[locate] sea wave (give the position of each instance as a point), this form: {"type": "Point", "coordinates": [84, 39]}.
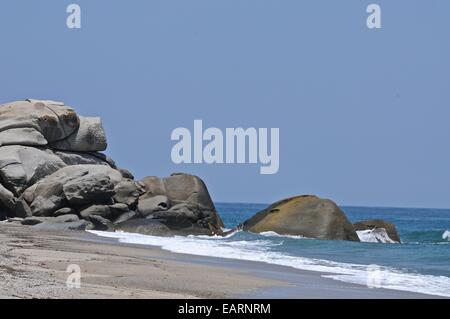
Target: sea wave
{"type": "Point", "coordinates": [446, 235]}
{"type": "Point", "coordinates": [378, 235]}
{"type": "Point", "coordinates": [274, 234]}
{"type": "Point", "coordinates": [260, 250]}
{"type": "Point", "coordinates": [426, 237]}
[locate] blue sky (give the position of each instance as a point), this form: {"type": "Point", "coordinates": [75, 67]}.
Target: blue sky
{"type": "Point", "coordinates": [363, 114]}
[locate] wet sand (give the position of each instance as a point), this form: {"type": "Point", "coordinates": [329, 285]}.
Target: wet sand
{"type": "Point", "coordinates": [33, 264]}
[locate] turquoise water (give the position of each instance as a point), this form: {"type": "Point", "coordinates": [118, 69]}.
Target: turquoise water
{"type": "Point", "coordinates": [423, 250]}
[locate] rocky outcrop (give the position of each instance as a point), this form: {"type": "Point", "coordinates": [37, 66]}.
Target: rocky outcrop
{"type": "Point", "coordinates": [53, 176]}
{"type": "Point", "coordinates": [52, 169]}
{"type": "Point", "coordinates": [377, 225]}
{"type": "Point", "coordinates": [181, 203]}
{"type": "Point", "coordinates": [307, 216]}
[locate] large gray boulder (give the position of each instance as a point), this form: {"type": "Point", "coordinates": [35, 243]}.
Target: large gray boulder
{"type": "Point", "coordinates": [36, 123]}
{"type": "Point", "coordinates": [149, 204]}
{"type": "Point", "coordinates": [91, 158]}
{"type": "Point", "coordinates": [90, 136]}
{"type": "Point", "coordinates": [75, 185]}
{"type": "Point", "coordinates": [64, 211]}
{"type": "Point", "coordinates": [125, 217]}
{"type": "Point", "coordinates": [307, 216]}
{"type": "Point", "coordinates": [22, 209]}
{"type": "Point", "coordinates": [7, 198]}
{"type": "Point", "coordinates": [101, 223]}
{"type": "Point", "coordinates": [96, 210]}
{"type": "Point", "coordinates": [41, 122]}
{"type": "Point", "coordinates": [91, 188]}
{"type": "Point", "coordinates": [22, 136]}
{"type": "Point", "coordinates": [22, 166]}
{"type": "Point", "coordinates": [181, 202]}
{"type": "Point", "coordinates": [127, 192]}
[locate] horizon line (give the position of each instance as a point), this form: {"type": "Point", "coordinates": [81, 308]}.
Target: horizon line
{"type": "Point", "coordinates": [350, 206]}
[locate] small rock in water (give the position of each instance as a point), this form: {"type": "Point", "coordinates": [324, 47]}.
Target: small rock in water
{"type": "Point", "coordinates": [373, 224]}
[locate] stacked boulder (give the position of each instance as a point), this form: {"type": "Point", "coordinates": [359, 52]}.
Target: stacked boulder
{"type": "Point", "coordinates": [52, 175]}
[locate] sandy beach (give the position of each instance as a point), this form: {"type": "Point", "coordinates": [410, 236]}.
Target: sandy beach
{"type": "Point", "coordinates": [33, 264]}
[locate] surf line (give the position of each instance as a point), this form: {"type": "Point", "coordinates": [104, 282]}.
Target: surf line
{"type": "Point", "coordinates": [235, 146]}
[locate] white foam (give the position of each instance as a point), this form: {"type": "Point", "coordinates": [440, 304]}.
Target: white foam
{"type": "Point", "coordinates": [446, 235]}
{"type": "Point", "coordinates": [377, 235]}
{"type": "Point", "coordinates": [259, 250]}
{"type": "Point", "coordinates": [274, 234]}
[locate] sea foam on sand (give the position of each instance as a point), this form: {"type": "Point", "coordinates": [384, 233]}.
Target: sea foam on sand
{"type": "Point", "coordinates": [259, 250]}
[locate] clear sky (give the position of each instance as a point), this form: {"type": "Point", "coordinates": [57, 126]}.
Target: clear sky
{"type": "Point", "coordinates": [364, 115]}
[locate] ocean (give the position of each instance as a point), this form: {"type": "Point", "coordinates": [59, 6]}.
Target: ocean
{"type": "Point", "coordinates": [421, 263]}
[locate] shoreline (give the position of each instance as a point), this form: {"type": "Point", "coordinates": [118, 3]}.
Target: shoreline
{"type": "Point", "coordinates": [33, 265]}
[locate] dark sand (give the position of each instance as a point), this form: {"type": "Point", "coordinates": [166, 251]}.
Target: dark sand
{"type": "Point", "coordinates": [33, 264]}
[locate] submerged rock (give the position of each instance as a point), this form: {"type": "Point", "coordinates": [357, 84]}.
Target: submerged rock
{"type": "Point", "coordinates": [378, 224]}
{"type": "Point", "coordinates": [376, 235]}
{"type": "Point", "coordinates": [307, 216]}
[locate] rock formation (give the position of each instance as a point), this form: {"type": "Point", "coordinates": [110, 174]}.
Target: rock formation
{"type": "Point", "coordinates": [53, 175]}
{"type": "Point", "coordinates": [307, 216]}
